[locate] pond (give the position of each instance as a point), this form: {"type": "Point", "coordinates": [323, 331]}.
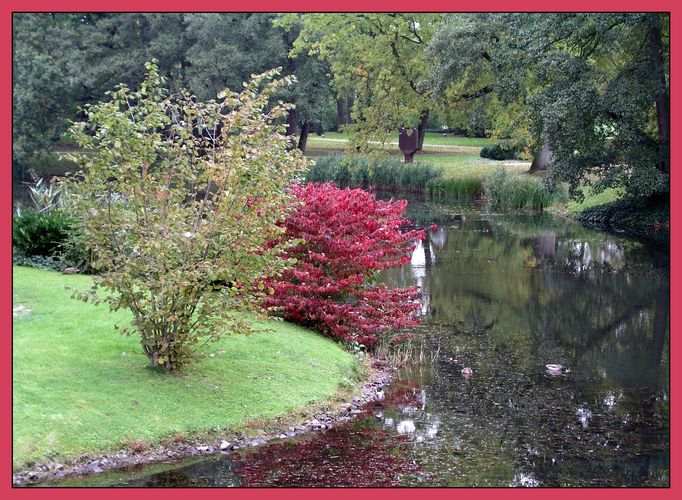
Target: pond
{"type": "Point", "coordinates": [504, 295]}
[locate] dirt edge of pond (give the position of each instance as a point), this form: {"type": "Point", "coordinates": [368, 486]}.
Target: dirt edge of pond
{"type": "Point", "coordinates": [321, 417]}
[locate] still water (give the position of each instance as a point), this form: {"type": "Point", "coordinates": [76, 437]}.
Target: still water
{"type": "Point", "coordinates": [504, 295]}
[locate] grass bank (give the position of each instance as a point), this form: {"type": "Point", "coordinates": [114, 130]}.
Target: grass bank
{"type": "Point", "coordinates": [591, 199]}
{"type": "Point", "coordinates": [639, 214]}
{"type": "Point", "coordinates": [79, 386]}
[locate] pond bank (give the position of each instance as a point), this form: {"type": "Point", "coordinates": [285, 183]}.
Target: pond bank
{"type": "Point", "coordinates": [79, 387]}
{"type": "Point", "coordinates": [321, 417]}
{"type": "Point", "coordinates": [639, 215]}
{"type": "Point", "coordinates": [504, 295]}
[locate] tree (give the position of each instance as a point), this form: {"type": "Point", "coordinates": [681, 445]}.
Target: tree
{"type": "Point", "coordinates": [312, 91]}
{"type": "Point", "coordinates": [345, 237]}
{"type": "Point", "coordinates": [607, 112]}
{"type": "Point", "coordinates": [590, 89]}
{"type": "Point", "coordinates": [112, 48]}
{"type": "Point", "coordinates": [226, 48]}
{"type": "Point", "coordinates": [380, 60]}
{"type": "Point", "coordinates": [42, 95]}
{"type": "Point", "coordinates": [63, 61]}
{"type": "Point", "coordinates": [178, 220]}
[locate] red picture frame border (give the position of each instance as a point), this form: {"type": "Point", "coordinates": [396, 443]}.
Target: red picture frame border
{"type": "Point", "coordinates": [9, 6]}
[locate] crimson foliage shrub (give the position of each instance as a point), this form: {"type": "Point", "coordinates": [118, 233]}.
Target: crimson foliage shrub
{"type": "Point", "coordinates": [345, 237]}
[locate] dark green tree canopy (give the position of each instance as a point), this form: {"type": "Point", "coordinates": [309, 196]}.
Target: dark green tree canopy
{"type": "Point", "coordinates": [590, 88]}
{"type": "Point", "coordinates": [63, 61]}
{"type": "Point", "coordinates": [594, 86]}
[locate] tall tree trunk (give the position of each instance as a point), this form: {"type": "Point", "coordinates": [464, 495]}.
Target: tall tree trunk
{"type": "Point", "coordinates": [542, 158]}
{"type": "Point", "coordinates": [340, 113]}
{"type": "Point", "coordinates": [662, 100]}
{"type": "Point", "coordinates": [421, 128]}
{"type": "Point", "coordinates": [350, 102]}
{"type": "Point", "coordinates": [303, 139]}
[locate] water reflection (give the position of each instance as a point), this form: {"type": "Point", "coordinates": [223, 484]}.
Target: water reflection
{"type": "Point", "coordinates": [505, 296]}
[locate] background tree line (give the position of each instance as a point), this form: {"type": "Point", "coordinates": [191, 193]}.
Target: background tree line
{"type": "Point", "coordinates": [63, 61]}
{"type": "Point", "coordinates": [586, 95]}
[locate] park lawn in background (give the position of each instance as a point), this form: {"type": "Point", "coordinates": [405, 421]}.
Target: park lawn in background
{"type": "Point", "coordinates": [80, 386]}
{"type": "Point", "coordinates": [455, 166]}
{"type": "Point", "coordinates": [433, 141]}
{"type": "Point", "coordinates": [435, 138]}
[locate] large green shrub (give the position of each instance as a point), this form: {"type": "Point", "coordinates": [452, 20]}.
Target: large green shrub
{"type": "Point", "coordinates": [178, 200]}
{"type": "Point", "coordinates": [41, 233]}
{"type": "Point", "coordinates": [500, 151]}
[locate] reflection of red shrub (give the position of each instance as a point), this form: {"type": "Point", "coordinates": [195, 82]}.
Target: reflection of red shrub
{"type": "Point", "coordinates": [403, 393]}
{"type": "Point", "coordinates": [347, 236]}
{"type": "Point", "coordinates": [348, 455]}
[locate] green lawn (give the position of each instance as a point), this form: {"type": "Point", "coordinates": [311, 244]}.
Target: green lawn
{"type": "Point", "coordinates": [80, 386]}
{"type": "Point", "coordinates": [433, 143]}
{"type": "Point", "coordinates": [431, 139]}
{"type": "Point", "coordinates": [592, 200]}
{"type": "Point", "coordinates": [463, 165]}
{"type": "Point", "coordinates": [438, 139]}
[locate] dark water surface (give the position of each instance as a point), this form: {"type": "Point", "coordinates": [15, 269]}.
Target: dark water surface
{"type": "Point", "coordinates": [504, 295]}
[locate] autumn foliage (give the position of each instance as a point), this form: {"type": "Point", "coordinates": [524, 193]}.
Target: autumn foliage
{"type": "Point", "coordinates": [346, 237]}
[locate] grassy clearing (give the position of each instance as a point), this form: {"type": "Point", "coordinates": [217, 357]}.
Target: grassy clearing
{"type": "Point", "coordinates": [79, 386]}
{"type": "Point", "coordinates": [464, 174]}
{"type": "Point", "coordinates": [459, 166]}
{"type": "Point", "coordinates": [455, 176]}
{"type": "Point", "coordinates": [591, 200]}
{"type": "Point", "coordinates": [431, 139]}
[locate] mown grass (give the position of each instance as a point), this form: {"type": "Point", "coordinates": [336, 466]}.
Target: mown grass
{"type": "Point", "coordinates": [79, 386]}
{"type": "Point", "coordinates": [431, 139]}
{"type": "Point", "coordinates": [458, 166]}
{"type": "Point", "coordinates": [591, 199]}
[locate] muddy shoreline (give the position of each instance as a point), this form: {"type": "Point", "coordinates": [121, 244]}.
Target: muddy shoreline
{"type": "Point", "coordinates": [46, 471]}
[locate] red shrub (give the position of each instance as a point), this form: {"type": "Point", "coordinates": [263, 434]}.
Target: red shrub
{"type": "Point", "coordinates": [347, 236]}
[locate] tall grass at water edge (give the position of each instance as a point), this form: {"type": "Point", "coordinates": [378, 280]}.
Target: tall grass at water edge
{"type": "Point", "coordinates": [363, 172]}
{"type": "Point", "coordinates": [503, 191]}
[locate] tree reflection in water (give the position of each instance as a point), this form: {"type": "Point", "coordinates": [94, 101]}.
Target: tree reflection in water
{"type": "Point", "coordinates": [504, 295]}
{"type": "Point", "coordinates": [508, 294]}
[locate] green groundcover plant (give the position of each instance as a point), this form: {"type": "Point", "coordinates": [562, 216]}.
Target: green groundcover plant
{"type": "Point", "coordinates": [178, 198]}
